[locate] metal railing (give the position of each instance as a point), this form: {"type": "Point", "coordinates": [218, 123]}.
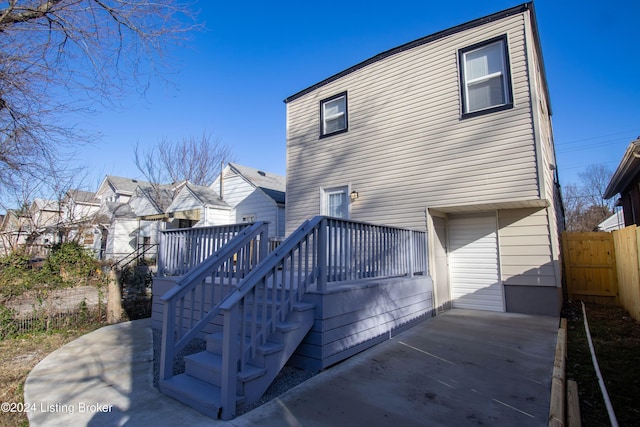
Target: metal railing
{"type": "Point", "coordinates": [134, 256]}
{"type": "Point", "coordinates": [183, 249]}
{"type": "Point", "coordinates": [321, 251]}
{"type": "Point", "coordinates": [193, 303]}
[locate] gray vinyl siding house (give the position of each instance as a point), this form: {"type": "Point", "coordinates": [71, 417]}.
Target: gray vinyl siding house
{"type": "Point", "coordinates": [411, 150]}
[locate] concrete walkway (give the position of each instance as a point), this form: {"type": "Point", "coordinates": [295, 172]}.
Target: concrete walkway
{"type": "Point", "coordinates": [461, 368]}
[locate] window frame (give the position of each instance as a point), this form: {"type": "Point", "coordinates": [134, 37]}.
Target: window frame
{"type": "Point", "coordinates": [323, 133]}
{"type": "Point", "coordinates": [507, 86]}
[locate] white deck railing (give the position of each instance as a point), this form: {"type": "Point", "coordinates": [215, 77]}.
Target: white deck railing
{"type": "Point", "coordinates": [323, 250]}
{"type": "Point", "coordinates": [357, 250]}
{"type": "Point", "coordinates": [194, 302]}
{"type": "Point", "coordinates": [254, 291]}
{"type": "Point", "coordinates": [183, 249]}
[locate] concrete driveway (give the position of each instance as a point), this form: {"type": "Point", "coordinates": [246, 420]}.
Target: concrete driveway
{"type": "Point", "coordinates": [461, 368]}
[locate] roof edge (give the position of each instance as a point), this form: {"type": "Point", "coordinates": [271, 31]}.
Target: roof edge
{"type": "Point", "coordinates": [619, 180]}
{"type": "Point", "coordinates": [410, 45]}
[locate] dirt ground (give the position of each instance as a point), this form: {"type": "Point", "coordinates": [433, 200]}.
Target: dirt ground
{"type": "Point", "coordinates": [616, 339]}
{"type": "Point", "coordinates": [18, 356]}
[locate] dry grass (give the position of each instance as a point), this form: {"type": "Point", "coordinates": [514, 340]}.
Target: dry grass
{"type": "Point", "coordinates": [616, 339]}
{"type": "Point", "coordinates": [19, 355]}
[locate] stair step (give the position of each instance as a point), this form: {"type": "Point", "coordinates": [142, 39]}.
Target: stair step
{"type": "Point", "coordinates": [200, 395]}
{"type": "Point", "coordinates": [214, 345]}
{"type": "Point", "coordinates": [199, 387]}
{"type": "Point", "coordinates": [208, 367]}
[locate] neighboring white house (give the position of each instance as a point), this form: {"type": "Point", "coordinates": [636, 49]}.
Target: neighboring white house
{"type": "Point", "coordinates": [254, 195]}
{"type": "Point", "coordinates": [450, 133]}
{"type": "Point", "coordinates": [243, 195]}
{"type": "Point", "coordinates": [118, 189]}
{"type": "Point", "coordinates": [614, 222]}
{"type": "Point", "coordinates": [197, 206]}
{"type": "Point", "coordinates": [46, 218]}
{"type": "Point", "coordinates": [14, 230]}
{"type": "Point", "coordinates": [79, 210]}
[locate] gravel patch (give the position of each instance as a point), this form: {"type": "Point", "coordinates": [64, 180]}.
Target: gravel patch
{"type": "Point", "coordinates": [288, 377]}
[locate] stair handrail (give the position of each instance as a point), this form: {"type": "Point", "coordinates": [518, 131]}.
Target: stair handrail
{"type": "Point", "coordinates": [138, 254]}
{"type": "Point", "coordinates": [242, 248]}
{"type": "Point", "coordinates": [235, 354]}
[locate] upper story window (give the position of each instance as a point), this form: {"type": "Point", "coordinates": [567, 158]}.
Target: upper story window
{"type": "Point", "coordinates": [486, 81]}
{"type": "Point", "coordinates": [333, 115]}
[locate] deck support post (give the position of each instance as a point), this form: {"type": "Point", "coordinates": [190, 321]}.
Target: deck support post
{"type": "Point", "coordinates": [167, 352]}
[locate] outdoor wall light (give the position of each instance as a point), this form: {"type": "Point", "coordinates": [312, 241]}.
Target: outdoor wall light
{"type": "Point", "coordinates": [354, 196]}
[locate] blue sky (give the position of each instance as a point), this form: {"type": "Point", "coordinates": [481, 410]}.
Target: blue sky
{"type": "Point", "coordinates": [234, 76]}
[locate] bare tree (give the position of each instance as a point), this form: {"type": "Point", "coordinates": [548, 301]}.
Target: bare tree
{"type": "Point", "coordinates": [595, 179]}
{"type": "Point", "coordinates": [585, 206]}
{"type": "Point", "coordinates": [192, 159]}
{"type": "Point", "coordinates": [60, 57]}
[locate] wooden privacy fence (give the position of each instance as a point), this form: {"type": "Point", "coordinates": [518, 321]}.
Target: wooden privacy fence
{"type": "Point", "coordinates": [628, 263]}
{"type": "Point", "coordinates": [590, 267]}
{"type": "Point", "coordinates": [604, 267]}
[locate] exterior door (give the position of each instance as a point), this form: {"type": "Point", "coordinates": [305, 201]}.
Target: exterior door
{"type": "Point", "coordinates": [335, 204]}
{"type": "Point", "coordinates": [473, 260]}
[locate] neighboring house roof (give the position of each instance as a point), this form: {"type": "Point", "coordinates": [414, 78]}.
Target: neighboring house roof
{"type": "Point", "coordinates": [121, 185]}
{"type": "Point", "coordinates": [614, 222]}
{"type": "Point", "coordinates": [160, 196]}
{"type": "Point", "coordinates": [45, 205]}
{"type": "Point", "coordinates": [81, 196]}
{"type": "Point", "coordinates": [206, 195]}
{"type": "Point", "coordinates": [273, 185]}
{"type": "Point", "coordinates": [627, 170]}
{"type": "Point", "coordinates": [112, 210]}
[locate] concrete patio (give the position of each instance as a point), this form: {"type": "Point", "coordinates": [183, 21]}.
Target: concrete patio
{"type": "Point", "coordinates": [463, 367]}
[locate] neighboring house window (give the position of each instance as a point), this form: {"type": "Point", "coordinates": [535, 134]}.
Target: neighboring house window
{"type": "Point", "coordinates": [335, 202]}
{"type": "Point", "coordinates": [249, 219]}
{"type": "Point", "coordinates": [333, 115]}
{"type": "Point", "coordinates": [486, 81]}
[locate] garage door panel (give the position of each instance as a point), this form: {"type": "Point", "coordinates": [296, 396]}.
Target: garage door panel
{"type": "Point", "coordinates": [474, 271]}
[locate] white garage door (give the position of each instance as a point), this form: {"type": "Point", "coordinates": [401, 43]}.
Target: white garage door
{"type": "Point", "coordinates": [473, 262]}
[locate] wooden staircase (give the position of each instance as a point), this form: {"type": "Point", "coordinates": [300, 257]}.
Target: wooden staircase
{"type": "Point", "coordinates": [260, 298]}
{"type": "Point", "coordinates": [200, 385]}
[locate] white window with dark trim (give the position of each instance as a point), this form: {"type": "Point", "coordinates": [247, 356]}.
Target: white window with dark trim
{"type": "Point", "coordinates": [333, 115]}
{"type": "Point", "coordinates": [486, 81]}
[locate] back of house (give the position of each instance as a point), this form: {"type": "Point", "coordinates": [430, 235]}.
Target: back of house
{"type": "Point", "coordinates": [451, 134]}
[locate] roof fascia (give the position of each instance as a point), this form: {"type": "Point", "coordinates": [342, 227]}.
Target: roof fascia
{"type": "Point", "coordinates": [621, 179]}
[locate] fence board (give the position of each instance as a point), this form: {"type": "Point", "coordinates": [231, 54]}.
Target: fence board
{"type": "Point", "coordinates": [590, 267]}
{"type": "Point", "coordinates": [626, 242]}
